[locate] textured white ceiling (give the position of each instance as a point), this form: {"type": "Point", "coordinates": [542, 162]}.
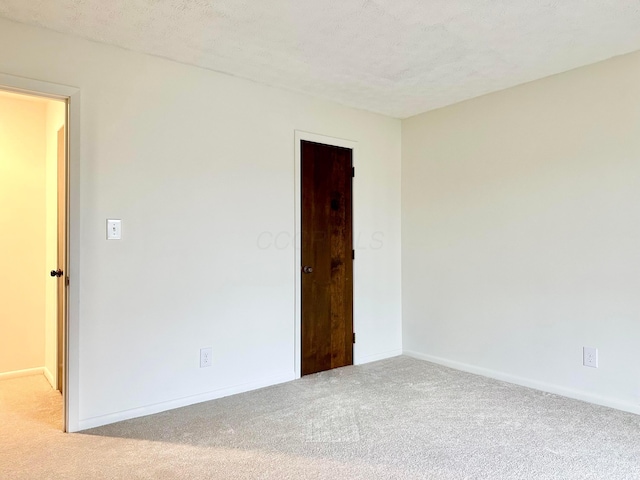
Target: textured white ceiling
{"type": "Point", "coordinates": [396, 57]}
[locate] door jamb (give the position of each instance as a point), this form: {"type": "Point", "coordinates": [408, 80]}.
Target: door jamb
{"type": "Point", "coordinates": [71, 96]}
{"type": "Point", "coordinates": [297, 330]}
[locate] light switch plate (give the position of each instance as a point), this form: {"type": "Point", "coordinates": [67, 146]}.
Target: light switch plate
{"type": "Point", "coordinates": [114, 229]}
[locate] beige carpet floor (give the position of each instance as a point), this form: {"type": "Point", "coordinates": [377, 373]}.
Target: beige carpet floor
{"type": "Point", "coordinates": [396, 419]}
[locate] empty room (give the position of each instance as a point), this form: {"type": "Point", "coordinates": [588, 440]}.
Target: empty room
{"type": "Point", "coordinates": [319, 240]}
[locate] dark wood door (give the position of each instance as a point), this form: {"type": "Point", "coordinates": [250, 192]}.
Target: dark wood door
{"type": "Point", "coordinates": [327, 262]}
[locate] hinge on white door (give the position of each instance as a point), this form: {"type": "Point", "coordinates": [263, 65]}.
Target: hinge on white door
{"type": "Point", "coordinates": [353, 172]}
{"type": "Point", "coordinates": [353, 254]}
{"type": "Point", "coordinates": [354, 337]}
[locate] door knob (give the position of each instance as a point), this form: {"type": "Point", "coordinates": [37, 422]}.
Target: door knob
{"type": "Point", "coordinates": [307, 269]}
{"type": "Point", "coordinates": [57, 273]}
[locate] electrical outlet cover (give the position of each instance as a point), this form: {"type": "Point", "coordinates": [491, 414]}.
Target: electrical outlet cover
{"type": "Point", "coordinates": [590, 357]}
{"type": "Point", "coordinates": [206, 355]}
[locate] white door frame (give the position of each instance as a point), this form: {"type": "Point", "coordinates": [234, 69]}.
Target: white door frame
{"type": "Point", "coordinates": [337, 142]}
{"type": "Point", "coordinates": [71, 96]}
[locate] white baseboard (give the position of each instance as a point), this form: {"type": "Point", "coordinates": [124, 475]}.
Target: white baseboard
{"type": "Point", "coordinates": [378, 356]}
{"type": "Point", "coordinates": [181, 402]}
{"type": "Point", "coordinates": [49, 377]}
{"type": "Point", "coordinates": [526, 382]}
{"type": "Point", "coordinates": [22, 373]}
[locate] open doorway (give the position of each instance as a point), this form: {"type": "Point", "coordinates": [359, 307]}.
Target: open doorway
{"type": "Point", "coordinates": [33, 244]}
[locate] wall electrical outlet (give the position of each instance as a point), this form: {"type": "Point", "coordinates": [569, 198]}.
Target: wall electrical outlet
{"type": "Point", "coordinates": [206, 355]}
{"type": "Point", "coordinates": [590, 357]}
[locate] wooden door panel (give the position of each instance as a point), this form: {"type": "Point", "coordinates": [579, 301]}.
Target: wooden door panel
{"type": "Point", "coordinates": [327, 239]}
{"type": "Point", "coordinates": [62, 250]}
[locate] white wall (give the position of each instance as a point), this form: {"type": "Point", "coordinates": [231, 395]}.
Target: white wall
{"type": "Point", "coordinates": [55, 119]}
{"type": "Point", "coordinates": [521, 233]}
{"type": "Point", "coordinates": [22, 238]}
{"type": "Point", "coordinates": [197, 165]}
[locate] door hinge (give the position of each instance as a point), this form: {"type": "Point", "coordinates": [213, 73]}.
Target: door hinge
{"type": "Point", "coordinates": [353, 172]}
{"type": "Point", "coordinates": [354, 337]}
{"type": "Point", "coordinates": [353, 254]}
{"type": "Point", "coordinates": [66, 281]}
